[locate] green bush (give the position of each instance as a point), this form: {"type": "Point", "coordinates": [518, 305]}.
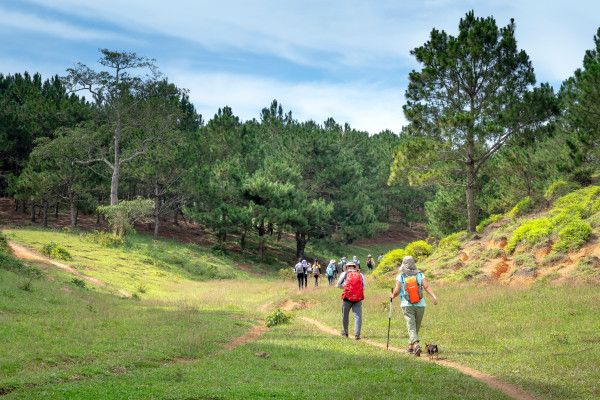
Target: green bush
{"type": "Point", "coordinates": [419, 250]}
{"type": "Point", "coordinates": [490, 220]}
{"type": "Point", "coordinates": [56, 251]}
{"type": "Point", "coordinates": [558, 189]}
{"type": "Point", "coordinates": [278, 316]}
{"type": "Point", "coordinates": [465, 274]}
{"type": "Point", "coordinates": [493, 254]}
{"type": "Point", "coordinates": [451, 244]}
{"type": "Point", "coordinates": [553, 258]}
{"type": "Point", "coordinates": [582, 203]}
{"type": "Point", "coordinates": [286, 274]}
{"type": "Point", "coordinates": [4, 246]}
{"type": "Point", "coordinates": [572, 236]}
{"type": "Point", "coordinates": [10, 263]}
{"type": "Point", "coordinates": [78, 282]}
{"type": "Point", "coordinates": [105, 239]}
{"type": "Point", "coordinates": [531, 234]}
{"type": "Point", "coordinates": [523, 207]}
{"type": "Point", "coordinates": [389, 263]}
{"type": "Point", "coordinates": [587, 268]}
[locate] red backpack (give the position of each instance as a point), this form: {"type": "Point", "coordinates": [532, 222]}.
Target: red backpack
{"type": "Point", "coordinates": [353, 290]}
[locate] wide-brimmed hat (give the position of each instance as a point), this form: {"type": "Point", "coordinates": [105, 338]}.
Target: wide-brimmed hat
{"type": "Point", "coordinates": [332, 261]}
{"type": "Point", "coordinates": [408, 266]}
{"type": "Point", "coordinates": [351, 264]}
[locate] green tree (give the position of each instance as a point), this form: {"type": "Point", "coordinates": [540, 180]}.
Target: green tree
{"type": "Point", "coordinates": [120, 99]}
{"type": "Point", "coordinates": [473, 93]}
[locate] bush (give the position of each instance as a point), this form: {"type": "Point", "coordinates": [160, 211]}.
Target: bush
{"type": "Point", "coordinates": [465, 274]}
{"type": "Point", "coordinates": [582, 203]}
{"type": "Point", "coordinates": [419, 250]}
{"type": "Point", "coordinates": [553, 258]}
{"type": "Point", "coordinates": [56, 251]}
{"type": "Point", "coordinates": [122, 217]}
{"type": "Point", "coordinates": [526, 260]}
{"type": "Point", "coordinates": [558, 189]}
{"type": "Point", "coordinates": [588, 268]}
{"type": "Point", "coordinates": [104, 239]}
{"type": "Point", "coordinates": [278, 316]}
{"type": "Point", "coordinates": [531, 234]}
{"type": "Point", "coordinates": [523, 207]}
{"type": "Point", "coordinates": [78, 282]}
{"type": "Point", "coordinates": [572, 236]}
{"type": "Point", "coordinates": [389, 263]}
{"type": "Point", "coordinates": [451, 244]}
{"type": "Point", "coordinates": [11, 264]}
{"type": "Point", "coordinates": [490, 220]}
{"type": "Point", "coordinates": [493, 254]}
{"type": "Point", "coordinates": [4, 246]}
{"type": "Point", "coordinates": [286, 274]}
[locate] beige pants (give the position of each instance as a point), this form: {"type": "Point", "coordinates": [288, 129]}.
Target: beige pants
{"type": "Point", "coordinates": [413, 316]}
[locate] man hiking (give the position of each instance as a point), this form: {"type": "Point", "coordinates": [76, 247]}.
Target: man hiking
{"type": "Point", "coordinates": [370, 262]}
{"type": "Point", "coordinates": [330, 268]}
{"type": "Point", "coordinates": [353, 283]}
{"type": "Point", "coordinates": [299, 270]}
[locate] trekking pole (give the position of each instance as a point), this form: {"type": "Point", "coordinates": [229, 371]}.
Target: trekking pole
{"type": "Point", "coordinates": [389, 323]}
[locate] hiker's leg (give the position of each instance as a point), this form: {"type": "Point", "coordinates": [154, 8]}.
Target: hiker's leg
{"type": "Point", "coordinates": [409, 316]}
{"type": "Point", "coordinates": [346, 305]}
{"type": "Point", "coordinates": [300, 280]}
{"type": "Point", "coordinates": [357, 311]}
{"type": "Point", "coordinates": [419, 312]}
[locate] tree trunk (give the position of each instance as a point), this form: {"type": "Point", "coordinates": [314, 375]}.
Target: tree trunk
{"type": "Point", "coordinates": [175, 215]}
{"type": "Point", "coordinates": [72, 211]}
{"type": "Point", "coordinates": [45, 215]}
{"type": "Point", "coordinates": [76, 214]}
{"type": "Point", "coordinates": [56, 211]}
{"type": "Point", "coordinates": [470, 191]}
{"type": "Point", "coordinates": [23, 206]}
{"type": "Point", "coordinates": [261, 240]}
{"type": "Point", "coordinates": [32, 211]}
{"type": "Point", "coordinates": [16, 205]}
{"type": "Point", "coordinates": [156, 210]}
{"type": "Point", "coordinates": [114, 182]}
{"type": "Point", "coordinates": [301, 241]}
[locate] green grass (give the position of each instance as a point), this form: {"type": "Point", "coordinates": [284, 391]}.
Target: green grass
{"type": "Point", "coordinates": [61, 340]}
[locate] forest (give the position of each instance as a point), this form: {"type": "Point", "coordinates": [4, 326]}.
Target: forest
{"type": "Point", "coordinates": [122, 142]}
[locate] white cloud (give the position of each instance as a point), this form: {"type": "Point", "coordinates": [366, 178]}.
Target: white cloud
{"type": "Point", "coordinates": [30, 22]}
{"type": "Point", "coordinates": [365, 106]}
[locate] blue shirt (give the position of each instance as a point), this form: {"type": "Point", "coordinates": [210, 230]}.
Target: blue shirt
{"type": "Point", "coordinates": [405, 302]}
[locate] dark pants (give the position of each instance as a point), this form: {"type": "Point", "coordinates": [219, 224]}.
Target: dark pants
{"type": "Point", "coordinates": [305, 279]}
{"type": "Point", "coordinates": [300, 281]}
{"type": "Point", "coordinates": [330, 279]}
{"type": "Point", "coordinates": [316, 280]}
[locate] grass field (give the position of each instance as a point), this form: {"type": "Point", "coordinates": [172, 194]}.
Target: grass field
{"type": "Point", "coordinates": [60, 340]}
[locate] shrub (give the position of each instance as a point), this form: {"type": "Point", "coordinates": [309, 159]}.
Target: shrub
{"type": "Point", "coordinates": [523, 207]}
{"type": "Point", "coordinates": [419, 250]}
{"type": "Point", "coordinates": [553, 258]}
{"type": "Point", "coordinates": [587, 268]}
{"type": "Point", "coordinates": [56, 251]}
{"type": "Point", "coordinates": [558, 189]}
{"type": "Point", "coordinates": [286, 274]}
{"type": "Point", "coordinates": [390, 262]}
{"type": "Point", "coordinates": [542, 280]}
{"type": "Point", "coordinates": [572, 236]}
{"type": "Point", "coordinates": [465, 274]}
{"type": "Point", "coordinates": [122, 216]}
{"type": "Point", "coordinates": [78, 282]}
{"type": "Point", "coordinates": [4, 246]}
{"type": "Point", "coordinates": [582, 203]}
{"type": "Point", "coordinates": [105, 239]}
{"type": "Point", "coordinates": [525, 259]}
{"type": "Point", "coordinates": [531, 234]}
{"type": "Point", "coordinates": [490, 220]}
{"type": "Point", "coordinates": [140, 287]}
{"type": "Point", "coordinates": [493, 254]}
{"type": "Point", "coordinates": [452, 243]}
{"type": "Point", "coordinates": [278, 316]}
{"type": "Point", "coordinates": [9, 263]}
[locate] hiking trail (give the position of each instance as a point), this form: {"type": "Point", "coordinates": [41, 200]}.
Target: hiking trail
{"type": "Point", "coordinates": [507, 388]}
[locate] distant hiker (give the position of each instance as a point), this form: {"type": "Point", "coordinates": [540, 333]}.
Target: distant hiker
{"type": "Point", "coordinates": [316, 270]}
{"type": "Point", "coordinates": [353, 283]}
{"type": "Point", "coordinates": [330, 268]}
{"type": "Point", "coordinates": [355, 259]}
{"type": "Point", "coordinates": [370, 262]}
{"type": "Point", "coordinates": [379, 259]}
{"type": "Point", "coordinates": [299, 270]}
{"type": "Point", "coordinates": [305, 268]}
{"type": "Point", "coordinates": [410, 283]}
{"type": "Point", "coordinates": [343, 262]}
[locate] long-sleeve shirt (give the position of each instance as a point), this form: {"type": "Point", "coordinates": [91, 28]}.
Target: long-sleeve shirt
{"type": "Point", "coordinates": [342, 281]}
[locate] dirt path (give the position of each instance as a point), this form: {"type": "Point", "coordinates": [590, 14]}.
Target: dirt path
{"type": "Point", "coordinates": [24, 253]}
{"type": "Point", "coordinates": [507, 388]}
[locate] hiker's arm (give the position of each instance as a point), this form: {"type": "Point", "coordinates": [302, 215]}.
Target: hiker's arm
{"type": "Point", "coordinates": [340, 283]}
{"type": "Point", "coordinates": [428, 290]}
{"type": "Point", "coordinates": [396, 291]}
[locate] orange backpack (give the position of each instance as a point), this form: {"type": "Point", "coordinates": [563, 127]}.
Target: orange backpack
{"type": "Point", "coordinates": [414, 291]}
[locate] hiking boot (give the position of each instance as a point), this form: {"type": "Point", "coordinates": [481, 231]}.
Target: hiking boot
{"type": "Point", "coordinates": [417, 351]}
{"type": "Point", "coordinates": [409, 350]}
{"type": "Point", "coordinates": [344, 333]}
{"type": "Point", "coordinates": [357, 337]}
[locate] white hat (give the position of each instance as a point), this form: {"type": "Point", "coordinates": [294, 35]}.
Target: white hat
{"type": "Point", "coordinates": [332, 261]}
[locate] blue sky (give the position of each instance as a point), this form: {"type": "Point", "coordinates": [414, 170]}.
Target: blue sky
{"type": "Point", "coordinates": [344, 59]}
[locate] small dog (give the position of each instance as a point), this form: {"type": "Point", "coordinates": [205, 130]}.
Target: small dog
{"type": "Point", "coordinates": [432, 350]}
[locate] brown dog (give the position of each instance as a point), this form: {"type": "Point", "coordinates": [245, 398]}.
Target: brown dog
{"type": "Point", "coordinates": [432, 349]}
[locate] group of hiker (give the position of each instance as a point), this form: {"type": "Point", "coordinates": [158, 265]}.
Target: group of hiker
{"type": "Point", "coordinates": [410, 284]}
{"type": "Point", "coordinates": [303, 269]}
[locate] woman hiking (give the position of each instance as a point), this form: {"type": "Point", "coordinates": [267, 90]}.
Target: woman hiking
{"type": "Point", "coordinates": [410, 282]}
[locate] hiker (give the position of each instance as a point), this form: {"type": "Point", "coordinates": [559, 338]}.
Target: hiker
{"type": "Point", "coordinates": [353, 283]}
{"type": "Point", "coordinates": [336, 270]}
{"type": "Point", "coordinates": [355, 259]}
{"type": "Point", "coordinates": [316, 271]}
{"type": "Point", "coordinates": [343, 262]}
{"type": "Point", "coordinates": [299, 270]}
{"type": "Point", "coordinates": [330, 268]}
{"type": "Point", "coordinates": [305, 269]}
{"type": "Point", "coordinates": [410, 282]}
{"type": "Point", "coordinates": [379, 259]}
{"type": "Point", "coordinates": [370, 262]}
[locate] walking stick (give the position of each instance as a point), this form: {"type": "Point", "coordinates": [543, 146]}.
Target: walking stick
{"type": "Point", "coordinates": [389, 323]}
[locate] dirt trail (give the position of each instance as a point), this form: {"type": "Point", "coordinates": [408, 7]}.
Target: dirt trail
{"type": "Point", "coordinates": [24, 253]}
{"type": "Point", "coordinates": [507, 388]}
